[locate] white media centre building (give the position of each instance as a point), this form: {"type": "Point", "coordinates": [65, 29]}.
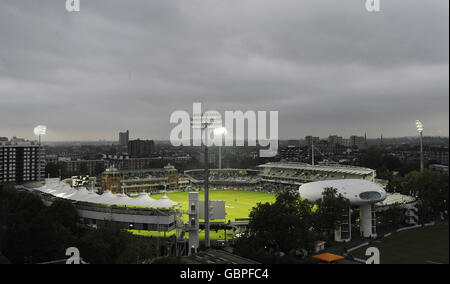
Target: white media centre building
{"type": "Point", "coordinates": [360, 193]}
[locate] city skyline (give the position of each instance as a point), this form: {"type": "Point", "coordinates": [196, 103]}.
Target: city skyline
{"type": "Point", "coordinates": [328, 68]}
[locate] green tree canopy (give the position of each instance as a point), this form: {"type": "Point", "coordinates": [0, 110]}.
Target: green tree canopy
{"type": "Point", "coordinates": [432, 190]}
{"type": "Point", "coordinates": [284, 225]}
{"type": "Point", "coordinates": [330, 210]}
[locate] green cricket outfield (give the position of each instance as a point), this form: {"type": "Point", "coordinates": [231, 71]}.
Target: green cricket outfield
{"type": "Point", "coordinates": [238, 204]}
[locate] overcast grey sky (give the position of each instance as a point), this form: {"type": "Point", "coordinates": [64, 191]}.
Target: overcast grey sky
{"type": "Point", "coordinates": [327, 66]}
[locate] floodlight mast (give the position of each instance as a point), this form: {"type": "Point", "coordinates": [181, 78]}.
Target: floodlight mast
{"type": "Point", "coordinates": [39, 131]}
{"type": "Point", "coordinates": [207, 241]}
{"type": "Point", "coordinates": [204, 124]}
{"type": "Point", "coordinates": [420, 128]}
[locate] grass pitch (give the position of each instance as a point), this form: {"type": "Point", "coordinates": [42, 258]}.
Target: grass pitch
{"type": "Point", "coordinates": [427, 245]}
{"type": "Point", "coordinates": [238, 203]}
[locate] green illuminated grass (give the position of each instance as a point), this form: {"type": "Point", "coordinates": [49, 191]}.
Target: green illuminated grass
{"type": "Point", "coordinates": [238, 204]}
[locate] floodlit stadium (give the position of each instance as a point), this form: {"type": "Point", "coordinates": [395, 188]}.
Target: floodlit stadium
{"type": "Point", "coordinates": [148, 215]}
{"type": "Point", "coordinates": [240, 189]}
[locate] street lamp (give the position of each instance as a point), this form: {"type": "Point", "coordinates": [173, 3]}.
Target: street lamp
{"type": "Point", "coordinates": [39, 131]}
{"type": "Point", "coordinates": [419, 126]}
{"type": "Point", "coordinates": [221, 131]}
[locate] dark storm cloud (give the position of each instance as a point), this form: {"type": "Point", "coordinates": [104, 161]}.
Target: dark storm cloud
{"type": "Point", "coordinates": [328, 67]}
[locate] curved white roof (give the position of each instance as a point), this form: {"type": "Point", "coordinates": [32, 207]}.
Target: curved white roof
{"type": "Point", "coordinates": [397, 198]}
{"type": "Point", "coordinates": [325, 168]}
{"type": "Point", "coordinates": [357, 191]}
{"type": "Point", "coordinates": [145, 201]}
{"type": "Point", "coordinates": [62, 190]}
{"type": "Point", "coordinates": [166, 202]}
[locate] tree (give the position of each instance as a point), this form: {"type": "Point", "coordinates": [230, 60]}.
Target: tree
{"type": "Point", "coordinates": [284, 225]}
{"type": "Point", "coordinates": [27, 230]}
{"type": "Point", "coordinates": [394, 216]}
{"type": "Point", "coordinates": [63, 213]}
{"type": "Point", "coordinates": [330, 210]}
{"type": "Point", "coordinates": [431, 188]}
{"type": "Point", "coordinates": [111, 244]}
{"type": "Point", "coordinates": [136, 252]}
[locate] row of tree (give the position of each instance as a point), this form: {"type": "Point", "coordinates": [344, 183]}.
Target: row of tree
{"type": "Point", "coordinates": [290, 224]}
{"type": "Point", "coordinates": [32, 233]}
{"type": "Point", "coordinates": [432, 190]}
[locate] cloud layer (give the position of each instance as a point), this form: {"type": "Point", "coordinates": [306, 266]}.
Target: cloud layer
{"type": "Point", "coordinates": [328, 67]}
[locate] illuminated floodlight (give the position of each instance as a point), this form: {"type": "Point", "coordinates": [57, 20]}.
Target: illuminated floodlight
{"type": "Point", "coordinates": [419, 126]}
{"type": "Point", "coordinates": [203, 121]}
{"type": "Point", "coordinates": [40, 130]}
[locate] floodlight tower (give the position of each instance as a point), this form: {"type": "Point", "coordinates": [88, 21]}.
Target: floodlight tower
{"type": "Point", "coordinates": [419, 126]}
{"type": "Point", "coordinates": [221, 131]}
{"type": "Point", "coordinates": [39, 131]}
{"type": "Point", "coordinates": [205, 122]}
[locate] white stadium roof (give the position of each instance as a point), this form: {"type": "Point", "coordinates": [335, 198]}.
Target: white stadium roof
{"type": "Point", "coordinates": [357, 191]}
{"type": "Point", "coordinates": [397, 198]}
{"type": "Point", "coordinates": [329, 168]}
{"type": "Point", "coordinates": [62, 190]}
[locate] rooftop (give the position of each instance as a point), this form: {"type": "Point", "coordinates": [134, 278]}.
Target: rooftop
{"type": "Point", "coordinates": [327, 168]}
{"type": "Point", "coordinates": [328, 257]}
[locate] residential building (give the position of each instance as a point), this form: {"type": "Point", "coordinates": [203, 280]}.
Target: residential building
{"type": "Point", "coordinates": [141, 148]}
{"type": "Point", "coordinates": [124, 138]}
{"type": "Point", "coordinates": [20, 161]}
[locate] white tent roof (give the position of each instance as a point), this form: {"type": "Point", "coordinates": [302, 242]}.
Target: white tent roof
{"type": "Point", "coordinates": [62, 190]}
{"type": "Point", "coordinates": [396, 198]}
{"type": "Point", "coordinates": [144, 200]}
{"type": "Point", "coordinates": [79, 195]}
{"type": "Point", "coordinates": [166, 202]}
